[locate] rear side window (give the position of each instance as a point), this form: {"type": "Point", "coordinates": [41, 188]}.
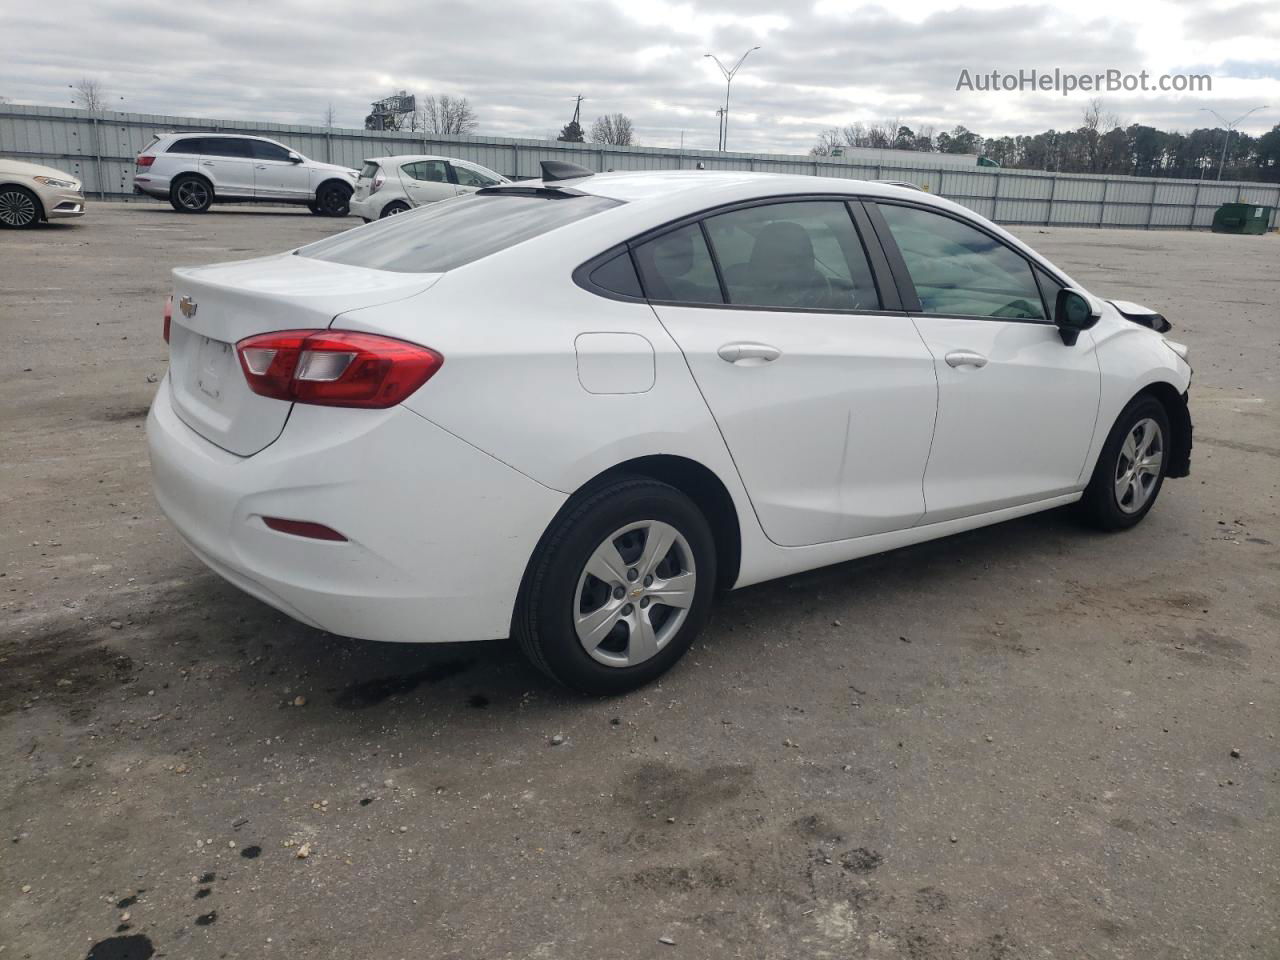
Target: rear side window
{"type": "Point", "coordinates": [960, 271]}
{"type": "Point", "coordinates": [428, 171]}
{"type": "Point", "coordinates": [225, 147]}
{"type": "Point", "coordinates": [455, 232]}
{"type": "Point", "coordinates": [804, 255]}
{"type": "Point", "coordinates": [618, 275]}
{"type": "Point", "coordinates": [192, 145]}
{"type": "Point", "coordinates": [677, 266]}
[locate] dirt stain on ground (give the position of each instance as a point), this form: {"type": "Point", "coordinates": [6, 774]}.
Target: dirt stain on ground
{"type": "Point", "coordinates": [134, 947]}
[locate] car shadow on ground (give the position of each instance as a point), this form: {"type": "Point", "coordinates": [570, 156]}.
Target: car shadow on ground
{"type": "Point", "coordinates": [345, 676]}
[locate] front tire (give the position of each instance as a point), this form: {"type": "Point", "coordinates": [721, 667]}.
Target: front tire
{"type": "Point", "coordinates": [1131, 467]}
{"type": "Point", "coordinates": [20, 209]}
{"type": "Point", "coordinates": [332, 200]}
{"type": "Point", "coordinates": [619, 587]}
{"type": "Point", "coordinates": [191, 194]}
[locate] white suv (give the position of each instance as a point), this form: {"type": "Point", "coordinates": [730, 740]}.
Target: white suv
{"type": "Point", "coordinates": [389, 185]}
{"type": "Point", "coordinates": [194, 170]}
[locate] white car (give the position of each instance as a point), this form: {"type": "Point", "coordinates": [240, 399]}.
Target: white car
{"type": "Point", "coordinates": [30, 193]}
{"type": "Point", "coordinates": [391, 185]}
{"type": "Point", "coordinates": [574, 410]}
{"type": "Point", "coordinates": [193, 171]}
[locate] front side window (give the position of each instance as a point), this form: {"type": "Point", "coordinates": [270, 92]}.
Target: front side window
{"type": "Point", "coordinates": [455, 232]}
{"type": "Point", "coordinates": [268, 151]}
{"type": "Point", "coordinates": [472, 178]}
{"type": "Point", "coordinates": [677, 266]}
{"type": "Point", "coordinates": [960, 271]}
{"type": "Point", "coordinates": [428, 171]}
{"type": "Point", "coordinates": [799, 255]}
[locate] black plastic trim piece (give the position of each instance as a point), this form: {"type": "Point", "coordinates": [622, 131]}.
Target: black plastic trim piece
{"type": "Point", "coordinates": [553, 170]}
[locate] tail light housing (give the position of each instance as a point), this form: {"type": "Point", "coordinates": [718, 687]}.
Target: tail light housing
{"type": "Point", "coordinates": [168, 316]}
{"type": "Point", "coordinates": [335, 368]}
{"type": "Point", "coordinates": [379, 179]}
{"type": "Point", "coordinates": [144, 161]}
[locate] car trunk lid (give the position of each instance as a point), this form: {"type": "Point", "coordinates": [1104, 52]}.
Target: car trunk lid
{"type": "Point", "coordinates": [215, 307]}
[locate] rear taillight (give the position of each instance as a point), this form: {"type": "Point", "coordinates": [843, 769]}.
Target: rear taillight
{"type": "Point", "coordinates": [335, 368]}
{"type": "Point", "coordinates": [168, 316]}
{"type": "Point", "coordinates": [144, 161]}
{"type": "Point", "coordinates": [379, 179]}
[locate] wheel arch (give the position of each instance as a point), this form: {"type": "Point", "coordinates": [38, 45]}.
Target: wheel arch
{"type": "Point", "coordinates": [333, 181]}
{"type": "Point", "coordinates": [1175, 405]}
{"type": "Point", "coordinates": [696, 481]}
{"type": "Point", "coordinates": [177, 178]}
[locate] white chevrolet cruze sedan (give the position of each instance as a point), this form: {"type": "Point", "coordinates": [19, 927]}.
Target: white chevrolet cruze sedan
{"type": "Point", "coordinates": [573, 410]}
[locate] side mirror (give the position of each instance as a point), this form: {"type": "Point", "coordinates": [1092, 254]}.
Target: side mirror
{"type": "Point", "coordinates": [1072, 313]}
{"type": "Point", "coordinates": [294, 158]}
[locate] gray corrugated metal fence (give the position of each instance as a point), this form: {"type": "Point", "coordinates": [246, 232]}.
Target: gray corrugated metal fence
{"type": "Point", "coordinates": [100, 150]}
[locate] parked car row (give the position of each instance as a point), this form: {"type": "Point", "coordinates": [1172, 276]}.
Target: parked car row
{"type": "Point", "coordinates": [193, 171]}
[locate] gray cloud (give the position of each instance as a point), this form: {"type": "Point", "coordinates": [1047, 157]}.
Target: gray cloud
{"type": "Point", "coordinates": [521, 63]}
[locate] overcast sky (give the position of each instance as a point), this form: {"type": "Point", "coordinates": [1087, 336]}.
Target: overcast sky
{"type": "Point", "coordinates": [521, 63]}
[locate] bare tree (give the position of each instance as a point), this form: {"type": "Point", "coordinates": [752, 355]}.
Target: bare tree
{"type": "Point", "coordinates": [90, 95]}
{"type": "Point", "coordinates": [613, 128]}
{"type": "Point", "coordinates": [828, 142]}
{"type": "Point", "coordinates": [445, 114]}
{"type": "Point", "coordinates": [330, 117]}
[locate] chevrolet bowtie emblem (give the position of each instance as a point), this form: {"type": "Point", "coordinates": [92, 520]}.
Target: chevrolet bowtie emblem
{"type": "Point", "coordinates": [187, 306]}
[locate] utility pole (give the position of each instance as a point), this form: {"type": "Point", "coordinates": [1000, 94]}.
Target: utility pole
{"type": "Point", "coordinates": [1230, 129]}
{"type": "Point", "coordinates": [728, 81]}
{"type": "Point", "coordinates": [720, 128]}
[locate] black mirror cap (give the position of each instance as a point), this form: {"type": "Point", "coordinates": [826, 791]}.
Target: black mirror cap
{"type": "Point", "coordinates": [1072, 313]}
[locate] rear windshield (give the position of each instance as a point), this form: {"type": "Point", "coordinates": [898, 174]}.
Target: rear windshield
{"type": "Point", "coordinates": [368, 170]}
{"type": "Point", "coordinates": [453, 233]}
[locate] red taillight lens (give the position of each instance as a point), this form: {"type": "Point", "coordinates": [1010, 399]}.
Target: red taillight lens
{"type": "Point", "coordinates": [378, 180]}
{"type": "Point", "coordinates": [304, 528]}
{"type": "Point", "coordinates": [335, 368]}
{"type": "Point", "coordinates": [144, 161]}
{"type": "Point", "coordinates": [168, 316]}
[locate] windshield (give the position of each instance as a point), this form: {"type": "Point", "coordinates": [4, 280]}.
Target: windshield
{"type": "Point", "coordinates": [452, 233]}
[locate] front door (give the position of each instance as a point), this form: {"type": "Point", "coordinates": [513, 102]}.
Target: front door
{"type": "Point", "coordinates": [826, 402]}
{"type": "Point", "coordinates": [1016, 406]}
{"type": "Point", "coordinates": [276, 176]}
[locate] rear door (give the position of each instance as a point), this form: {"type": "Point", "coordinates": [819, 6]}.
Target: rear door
{"type": "Point", "coordinates": [426, 181]}
{"type": "Point", "coordinates": [1016, 406]}
{"type": "Point", "coordinates": [228, 163]}
{"type": "Point", "coordinates": [277, 177]}
{"type": "Point", "coordinates": [822, 388]}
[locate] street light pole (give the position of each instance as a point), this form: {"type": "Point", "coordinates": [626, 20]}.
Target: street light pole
{"type": "Point", "coordinates": [728, 81]}
{"type": "Point", "coordinates": [1230, 129]}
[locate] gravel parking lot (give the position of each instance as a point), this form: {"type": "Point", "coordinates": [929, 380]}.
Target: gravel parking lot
{"type": "Point", "coordinates": [1027, 741]}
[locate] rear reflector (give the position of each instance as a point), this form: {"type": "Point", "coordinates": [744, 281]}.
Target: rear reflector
{"type": "Point", "coordinates": [335, 368]}
{"type": "Point", "coordinates": [144, 161]}
{"type": "Point", "coordinates": [304, 528]}
{"type": "Point", "coordinates": [168, 316]}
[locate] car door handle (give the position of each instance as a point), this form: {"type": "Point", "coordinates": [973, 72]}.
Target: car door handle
{"type": "Point", "coordinates": [206, 163]}
{"type": "Point", "coordinates": [748, 354]}
{"type": "Point", "coordinates": [965, 358]}
{"type": "Point", "coordinates": [261, 166]}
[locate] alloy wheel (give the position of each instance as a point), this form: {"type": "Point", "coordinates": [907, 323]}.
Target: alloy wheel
{"type": "Point", "coordinates": [634, 593]}
{"type": "Point", "coordinates": [1138, 466]}
{"type": "Point", "coordinates": [17, 209]}
{"type": "Point", "coordinates": [193, 194]}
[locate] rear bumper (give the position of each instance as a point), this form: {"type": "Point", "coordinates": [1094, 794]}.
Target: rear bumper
{"type": "Point", "coordinates": [370, 207]}
{"type": "Point", "coordinates": [439, 534]}
{"type": "Point", "coordinates": [151, 186]}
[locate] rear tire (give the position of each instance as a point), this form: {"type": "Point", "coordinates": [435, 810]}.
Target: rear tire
{"type": "Point", "coordinates": [191, 194]}
{"type": "Point", "coordinates": [20, 209]}
{"type": "Point", "coordinates": [392, 208]}
{"type": "Point", "coordinates": [656, 557]}
{"type": "Point", "coordinates": [332, 200]}
{"type": "Point", "coordinates": [1131, 467]}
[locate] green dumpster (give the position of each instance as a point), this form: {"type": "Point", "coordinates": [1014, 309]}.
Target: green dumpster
{"type": "Point", "coordinates": [1241, 218]}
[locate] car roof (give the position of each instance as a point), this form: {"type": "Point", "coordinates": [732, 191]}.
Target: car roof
{"type": "Point", "coordinates": [410, 157]}
{"type": "Point", "coordinates": [206, 133]}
